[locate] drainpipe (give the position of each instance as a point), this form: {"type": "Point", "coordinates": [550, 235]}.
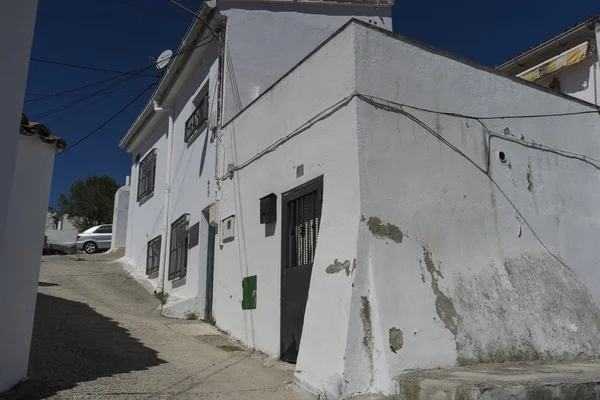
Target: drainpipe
{"type": "Point", "coordinates": [163, 244]}
{"type": "Point", "coordinates": [596, 83]}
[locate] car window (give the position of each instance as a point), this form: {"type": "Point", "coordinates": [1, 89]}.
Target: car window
{"type": "Point", "coordinates": [104, 229]}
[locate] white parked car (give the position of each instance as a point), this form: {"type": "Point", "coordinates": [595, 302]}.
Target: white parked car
{"type": "Point", "coordinates": [94, 239]}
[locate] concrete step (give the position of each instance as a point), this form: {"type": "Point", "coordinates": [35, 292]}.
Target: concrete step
{"type": "Point", "coordinates": [506, 381]}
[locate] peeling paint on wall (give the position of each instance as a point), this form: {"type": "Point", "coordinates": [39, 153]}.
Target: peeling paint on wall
{"type": "Point", "coordinates": [396, 339]}
{"type": "Point", "coordinates": [341, 266]}
{"type": "Point", "coordinates": [387, 231]}
{"type": "Point", "coordinates": [443, 304]}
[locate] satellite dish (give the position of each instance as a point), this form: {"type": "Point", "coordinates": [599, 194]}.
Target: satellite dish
{"type": "Point", "coordinates": [164, 59]}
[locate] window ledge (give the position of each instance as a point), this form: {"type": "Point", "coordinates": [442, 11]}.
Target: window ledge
{"type": "Point", "coordinates": [178, 282]}
{"type": "Point", "coordinates": [145, 199]}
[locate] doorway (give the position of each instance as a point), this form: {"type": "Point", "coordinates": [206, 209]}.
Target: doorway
{"type": "Point", "coordinates": [210, 272]}
{"type": "Point", "coordinates": [301, 216]}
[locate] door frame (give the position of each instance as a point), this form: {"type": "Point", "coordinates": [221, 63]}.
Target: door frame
{"type": "Point", "coordinates": [287, 197]}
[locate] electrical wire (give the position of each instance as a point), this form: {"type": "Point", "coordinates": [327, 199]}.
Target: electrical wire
{"type": "Point", "coordinates": [399, 108]}
{"type": "Point", "coordinates": [86, 67]}
{"type": "Point", "coordinates": [65, 106]}
{"type": "Point", "coordinates": [87, 94]}
{"type": "Point", "coordinates": [137, 70]}
{"type": "Point", "coordinates": [106, 95]}
{"type": "Point", "coordinates": [102, 125]}
{"type": "Point", "coordinates": [83, 87]}
{"type": "Point", "coordinates": [389, 105]}
{"type": "Point", "coordinates": [451, 114]}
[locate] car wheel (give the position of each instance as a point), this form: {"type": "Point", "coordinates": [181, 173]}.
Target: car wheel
{"type": "Point", "coordinates": [90, 247]}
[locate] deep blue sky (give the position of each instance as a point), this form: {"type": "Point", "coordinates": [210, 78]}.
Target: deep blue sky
{"type": "Point", "coordinates": [123, 34]}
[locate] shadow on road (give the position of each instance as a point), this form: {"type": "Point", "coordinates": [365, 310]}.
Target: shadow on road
{"type": "Point", "coordinates": [72, 343]}
{"type": "Point", "coordinates": [46, 284]}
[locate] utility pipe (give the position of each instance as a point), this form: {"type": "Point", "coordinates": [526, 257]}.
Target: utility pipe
{"type": "Point", "coordinates": [163, 244]}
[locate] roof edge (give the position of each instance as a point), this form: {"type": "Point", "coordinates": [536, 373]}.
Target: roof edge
{"type": "Point", "coordinates": [170, 75]}
{"type": "Point", "coordinates": [588, 24]}
{"type": "Point", "coordinates": [29, 128]}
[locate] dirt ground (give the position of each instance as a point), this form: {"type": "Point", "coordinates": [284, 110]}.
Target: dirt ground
{"type": "Point", "coordinates": [98, 335]}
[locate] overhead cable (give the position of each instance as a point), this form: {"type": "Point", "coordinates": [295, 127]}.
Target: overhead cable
{"type": "Point", "coordinates": [102, 125]}
{"type": "Point", "coordinates": [137, 70]}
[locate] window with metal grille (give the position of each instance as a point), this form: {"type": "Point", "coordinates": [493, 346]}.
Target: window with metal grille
{"type": "Point", "coordinates": [305, 215]}
{"type": "Point", "coordinates": [153, 256]}
{"type": "Point", "coordinates": [179, 247]}
{"type": "Point", "coordinates": [199, 118]}
{"type": "Point", "coordinates": [146, 176]}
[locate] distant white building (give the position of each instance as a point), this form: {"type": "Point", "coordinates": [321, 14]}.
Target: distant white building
{"type": "Point", "coordinates": [120, 217]}
{"type": "Point", "coordinates": [567, 63]}
{"type": "Point", "coordinates": [60, 232]}
{"type": "Point", "coordinates": [367, 210]}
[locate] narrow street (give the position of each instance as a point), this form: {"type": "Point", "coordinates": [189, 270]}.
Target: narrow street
{"type": "Point", "coordinates": [97, 334]}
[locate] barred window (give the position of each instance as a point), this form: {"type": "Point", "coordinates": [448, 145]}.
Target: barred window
{"type": "Point", "coordinates": [179, 247]}
{"type": "Point", "coordinates": [199, 118]}
{"type": "Point", "coordinates": [146, 176]}
{"type": "Point", "coordinates": [153, 256]}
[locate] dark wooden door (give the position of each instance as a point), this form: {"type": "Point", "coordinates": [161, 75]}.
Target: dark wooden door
{"type": "Point", "coordinates": [210, 272]}
{"type": "Point", "coordinates": [301, 216]}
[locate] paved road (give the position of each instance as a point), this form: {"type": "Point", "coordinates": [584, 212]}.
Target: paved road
{"type": "Point", "coordinates": [97, 335]}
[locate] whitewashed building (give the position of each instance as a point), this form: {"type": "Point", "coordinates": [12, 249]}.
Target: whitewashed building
{"type": "Point", "coordinates": [379, 207]}
{"type": "Point", "coordinates": [25, 175]}
{"type": "Point", "coordinates": [567, 63]}
{"type": "Point", "coordinates": [60, 232]}
{"type": "Point", "coordinates": [120, 217]}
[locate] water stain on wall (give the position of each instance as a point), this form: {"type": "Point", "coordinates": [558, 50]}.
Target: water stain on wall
{"type": "Point", "coordinates": [536, 309]}
{"type": "Point", "coordinates": [365, 315]}
{"type": "Point", "coordinates": [529, 181]}
{"type": "Point", "coordinates": [444, 305]}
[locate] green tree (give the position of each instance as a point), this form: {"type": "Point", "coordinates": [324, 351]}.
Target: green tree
{"type": "Point", "coordinates": [89, 202]}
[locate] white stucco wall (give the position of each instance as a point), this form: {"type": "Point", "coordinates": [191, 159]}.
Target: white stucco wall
{"type": "Point", "coordinates": [67, 234]}
{"type": "Point", "coordinates": [328, 148]}
{"type": "Point", "coordinates": [266, 39]}
{"type": "Point", "coordinates": [192, 190]}
{"type": "Point", "coordinates": [21, 254]}
{"type": "Point", "coordinates": [459, 257]}
{"type": "Point", "coordinates": [475, 276]}
{"type": "Point", "coordinates": [145, 219]}
{"type": "Point", "coordinates": [579, 80]}
{"type": "Point", "coordinates": [17, 21]}
{"type": "Point", "coordinates": [463, 269]}
{"type": "Point", "coordinates": [120, 218]}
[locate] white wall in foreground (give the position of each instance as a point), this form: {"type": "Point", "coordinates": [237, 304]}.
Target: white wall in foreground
{"type": "Point", "coordinates": [17, 21]}
{"type": "Point", "coordinates": [21, 255]}
{"type": "Point", "coordinates": [476, 276]}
